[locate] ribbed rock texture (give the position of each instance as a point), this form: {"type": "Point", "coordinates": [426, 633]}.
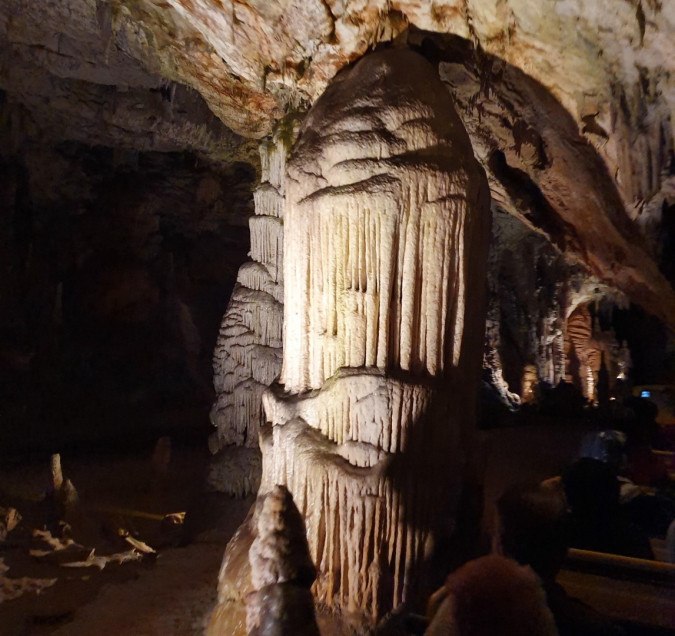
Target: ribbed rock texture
{"type": "Point", "coordinates": [593, 355]}
{"type": "Point", "coordinates": [247, 356]}
{"type": "Point", "coordinates": [568, 105]}
{"type": "Point", "coordinates": [386, 226]}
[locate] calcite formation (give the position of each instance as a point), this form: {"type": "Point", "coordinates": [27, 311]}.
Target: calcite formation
{"type": "Point", "coordinates": [593, 355]}
{"type": "Point", "coordinates": [528, 283]}
{"type": "Point", "coordinates": [281, 570]}
{"type": "Point", "coordinates": [386, 224]}
{"type": "Point", "coordinates": [583, 359]}
{"type": "Point", "coordinates": [247, 357]}
{"type": "Point", "coordinates": [539, 329]}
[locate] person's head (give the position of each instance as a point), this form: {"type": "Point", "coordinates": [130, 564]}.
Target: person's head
{"type": "Point", "coordinates": [532, 528]}
{"type": "Point", "coordinates": [606, 446]}
{"type": "Point", "coordinates": [491, 595]}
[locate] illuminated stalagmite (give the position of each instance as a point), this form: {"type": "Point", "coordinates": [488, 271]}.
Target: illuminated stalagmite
{"type": "Point", "coordinates": [386, 225]}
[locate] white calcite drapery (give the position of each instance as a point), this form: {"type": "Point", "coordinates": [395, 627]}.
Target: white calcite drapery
{"type": "Point", "coordinates": [386, 225]}
{"type": "Point", "coordinates": [247, 356]}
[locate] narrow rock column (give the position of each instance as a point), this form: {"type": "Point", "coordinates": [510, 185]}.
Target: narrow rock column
{"type": "Point", "coordinates": [281, 571]}
{"type": "Point", "coordinates": [247, 356]}
{"type": "Point", "coordinates": [386, 226]}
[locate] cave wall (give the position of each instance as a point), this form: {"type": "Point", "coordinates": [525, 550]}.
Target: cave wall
{"type": "Point", "coordinates": [116, 267]}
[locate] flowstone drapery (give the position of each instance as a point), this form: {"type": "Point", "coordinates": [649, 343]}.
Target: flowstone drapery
{"type": "Point", "coordinates": [386, 225]}
{"type": "Point", "coordinates": [247, 357]}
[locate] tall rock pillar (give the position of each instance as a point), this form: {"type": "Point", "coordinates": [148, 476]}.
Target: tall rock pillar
{"type": "Point", "coordinates": [386, 226]}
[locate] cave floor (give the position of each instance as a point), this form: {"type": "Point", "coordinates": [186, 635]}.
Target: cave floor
{"type": "Point", "coordinates": [170, 592]}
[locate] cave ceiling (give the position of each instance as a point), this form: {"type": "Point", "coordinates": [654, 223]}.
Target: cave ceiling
{"type": "Point", "coordinates": [569, 103]}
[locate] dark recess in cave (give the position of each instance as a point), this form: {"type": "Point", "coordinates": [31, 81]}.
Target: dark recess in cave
{"type": "Point", "coordinates": [116, 269]}
{"type": "Point", "coordinates": [667, 247]}
{"type": "Point", "coordinates": [647, 338]}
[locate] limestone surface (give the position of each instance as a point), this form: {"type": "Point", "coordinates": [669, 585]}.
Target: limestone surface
{"type": "Point", "coordinates": [247, 356]}
{"type": "Point", "coordinates": [385, 231]}
{"type": "Point", "coordinates": [567, 103]}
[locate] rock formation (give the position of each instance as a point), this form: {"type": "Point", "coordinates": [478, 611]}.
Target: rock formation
{"type": "Point", "coordinates": [539, 328]}
{"type": "Point", "coordinates": [571, 93]}
{"type": "Point", "coordinates": [281, 571]}
{"type": "Point", "coordinates": [122, 122]}
{"type": "Point", "coordinates": [568, 107]}
{"type": "Point", "coordinates": [247, 357]}
{"type": "Point", "coordinates": [529, 285]}
{"type": "Point", "coordinates": [592, 350]}
{"type": "Point", "coordinates": [386, 225]}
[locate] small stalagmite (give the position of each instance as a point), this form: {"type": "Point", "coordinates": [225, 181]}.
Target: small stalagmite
{"type": "Point", "coordinates": [386, 225]}
{"type": "Point", "coordinates": [281, 571]}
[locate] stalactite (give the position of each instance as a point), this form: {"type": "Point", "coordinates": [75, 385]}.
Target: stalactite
{"type": "Point", "coordinates": [268, 198]}
{"type": "Point", "coordinates": [531, 287]}
{"type": "Point", "coordinates": [578, 334]}
{"type": "Point", "coordinates": [267, 239]}
{"type": "Point", "coordinates": [255, 276]}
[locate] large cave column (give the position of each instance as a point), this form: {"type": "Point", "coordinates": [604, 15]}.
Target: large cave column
{"type": "Point", "coordinates": [386, 226]}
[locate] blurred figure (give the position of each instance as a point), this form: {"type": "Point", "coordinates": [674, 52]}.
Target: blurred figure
{"type": "Point", "coordinates": [533, 527]}
{"type": "Point", "coordinates": [606, 446]}
{"type": "Point", "coordinates": [629, 456]}
{"type": "Point", "coordinates": [670, 543]}
{"type": "Point", "coordinates": [596, 523]}
{"type": "Point", "coordinates": [642, 466]}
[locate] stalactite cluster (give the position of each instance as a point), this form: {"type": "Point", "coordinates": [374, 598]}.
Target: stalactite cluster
{"type": "Point", "coordinates": [530, 290]}
{"type": "Point", "coordinates": [376, 249]}
{"type": "Point", "coordinates": [592, 352]}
